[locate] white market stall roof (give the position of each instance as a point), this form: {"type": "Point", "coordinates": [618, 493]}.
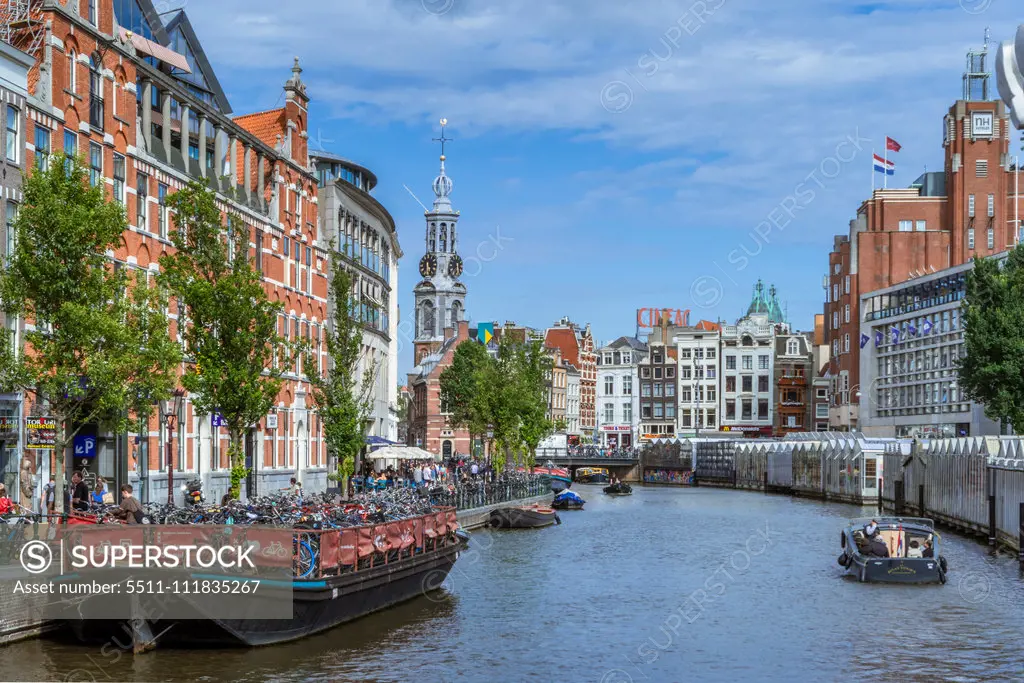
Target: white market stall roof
{"type": "Point", "coordinates": [401, 453]}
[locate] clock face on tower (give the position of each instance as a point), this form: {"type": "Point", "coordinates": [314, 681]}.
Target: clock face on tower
{"type": "Point", "coordinates": [455, 266]}
{"type": "Point", "coordinates": [428, 266]}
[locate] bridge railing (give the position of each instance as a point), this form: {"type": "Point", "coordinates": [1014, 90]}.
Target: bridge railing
{"type": "Point", "coordinates": [587, 453]}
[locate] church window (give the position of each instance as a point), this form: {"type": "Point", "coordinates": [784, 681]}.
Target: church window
{"type": "Point", "coordinates": [427, 324]}
{"type": "Point", "coordinates": [444, 237]}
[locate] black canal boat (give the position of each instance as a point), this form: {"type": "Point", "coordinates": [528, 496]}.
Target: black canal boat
{"type": "Point", "coordinates": [893, 550]}
{"type": "Point", "coordinates": [619, 489]}
{"type": "Point", "coordinates": [357, 571]}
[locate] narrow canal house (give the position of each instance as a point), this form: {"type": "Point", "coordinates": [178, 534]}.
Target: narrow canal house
{"type": "Point", "coordinates": [133, 94]}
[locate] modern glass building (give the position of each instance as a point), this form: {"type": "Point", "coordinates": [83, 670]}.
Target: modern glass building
{"type": "Point", "coordinates": [911, 337]}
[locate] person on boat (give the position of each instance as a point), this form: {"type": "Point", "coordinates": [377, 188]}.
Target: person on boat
{"type": "Point", "coordinates": [928, 551]}
{"type": "Point", "coordinates": [871, 530]}
{"type": "Point", "coordinates": [915, 549]}
{"type": "Point", "coordinates": [877, 546]}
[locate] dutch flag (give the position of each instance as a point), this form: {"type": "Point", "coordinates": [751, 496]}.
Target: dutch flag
{"type": "Point", "coordinates": [884, 165]}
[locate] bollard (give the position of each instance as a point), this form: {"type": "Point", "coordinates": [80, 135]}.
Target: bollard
{"type": "Point", "coordinates": [920, 500]}
{"type": "Point", "coordinates": [991, 520]}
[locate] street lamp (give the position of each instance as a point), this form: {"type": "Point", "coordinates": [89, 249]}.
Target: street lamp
{"type": "Point", "coordinates": [170, 410]}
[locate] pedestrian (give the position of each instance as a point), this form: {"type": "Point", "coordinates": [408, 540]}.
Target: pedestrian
{"type": "Point", "coordinates": [295, 488]}
{"type": "Point", "coordinates": [474, 469]}
{"type": "Point", "coordinates": [7, 505]}
{"type": "Point", "coordinates": [96, 498]}
{"type": "Point", "coordinates": [417, 476]}
{"type": "Point", "coordinates": [130, 510]}
{"type": "Point", "coordinates": [79, 493]}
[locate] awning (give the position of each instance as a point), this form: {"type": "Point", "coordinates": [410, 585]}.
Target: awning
{"type": "Point", "coordinates": [379, 441]}
{"type": "Point", "coordinates": [165, 55]}
{"type": "Point", "coordinates": [400, 453]}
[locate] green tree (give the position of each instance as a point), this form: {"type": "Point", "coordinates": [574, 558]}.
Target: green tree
{"type": "Point", "coordinates": [342, 392]}
{"type": "Point", "coordinates": [991, 368]}
{"type": "Point", "coordinates": [99, 350]}
{"type": "Point", "coordinates": [464, 390]}
{"type": "Point", "coordinates": [230, 323]}
{"type": "Point", "coordinates": [533, 374]}
{"type": "Point", "coordinates": [561, 425]}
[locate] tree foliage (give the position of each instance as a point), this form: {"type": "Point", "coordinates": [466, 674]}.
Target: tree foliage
{"type": "Point", "coordinates": [238, 357]}
{"type": "Point", "coordinates": [98, 351]}
{"type": "Point", "coordinates": [991, 369]}
{"type": "Point", "coordinates": [343, 392]}
{"type": "Point", "coordinates": [504, 395]}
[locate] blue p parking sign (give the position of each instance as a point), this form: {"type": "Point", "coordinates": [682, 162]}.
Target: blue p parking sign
{"type": "Point", "coordinates": [85, 446]}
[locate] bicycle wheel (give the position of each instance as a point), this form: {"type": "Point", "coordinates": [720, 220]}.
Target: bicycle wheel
{"type": "Point", "coordinates": [305, 559]}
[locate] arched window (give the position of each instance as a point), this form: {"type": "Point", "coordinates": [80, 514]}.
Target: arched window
{"type": "Point", "coordinates": [456, 313]}
{"type": "Point", "coordinates": [432, 240]}
{"type": "Point", "coordinates": [444, 237]}
{"type": "Point", "coordinates": [428, 325]}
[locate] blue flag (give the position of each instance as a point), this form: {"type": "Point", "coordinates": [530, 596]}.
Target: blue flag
{"type": "Point", "coordinates": [927, 326]}
{"type": "Point", "coordinates": [912, 328]}
{"type": "Point", "coordinates": [864, 339]}
{"type": "Point", "coordinates": [878, 338]}
{"type": "Point", "coordinates": [895, 334]}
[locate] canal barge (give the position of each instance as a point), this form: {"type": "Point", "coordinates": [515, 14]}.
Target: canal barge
{"type": "Point", "coordinates": [523, 517]}
{"type": "Point", "coordinates": [356, 571]}
{"type": "Point", "coordinates": [592, 475]}
{"type": "Point", "coordinates": [892, 550]}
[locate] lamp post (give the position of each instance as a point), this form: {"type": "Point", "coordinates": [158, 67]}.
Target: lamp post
{"type": "Point", "coordinates": [170, 411]}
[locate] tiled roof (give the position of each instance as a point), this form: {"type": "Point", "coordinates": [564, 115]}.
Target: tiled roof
{"type": "Point", "coordinates": [565, 339]}
{"type": "Point", "coordinates": [708, 326]}
{"type": "Point", "coordinates": [266, 125]}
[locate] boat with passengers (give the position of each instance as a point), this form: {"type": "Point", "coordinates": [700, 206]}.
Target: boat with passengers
{"type": "Point", "coordinates": [592, 475]}
{"type": "Point", "coordinates": [893, 550]}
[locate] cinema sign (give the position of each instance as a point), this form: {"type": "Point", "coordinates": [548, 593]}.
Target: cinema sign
{"type": "Point", "coordinates": [656, 317]}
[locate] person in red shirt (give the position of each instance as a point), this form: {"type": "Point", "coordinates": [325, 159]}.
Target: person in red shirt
{"type": "Point", "coordinates": [7, 505]}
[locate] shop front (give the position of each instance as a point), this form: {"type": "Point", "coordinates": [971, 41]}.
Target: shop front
{"type": "Point", "coordinates": [616, 436]}
{"type": "Point", "coordinates": [750, 431]}
{"type": "Point", "coordinates": [10, 460]}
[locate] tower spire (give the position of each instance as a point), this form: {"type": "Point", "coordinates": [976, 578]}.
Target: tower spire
{"type": "Point", "coordinates": [442, 183]}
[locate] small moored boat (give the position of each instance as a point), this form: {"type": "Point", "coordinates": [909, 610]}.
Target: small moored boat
{"type": "Point", "coordinates": [523, 517]}
{"type": "Point", "coordinates": [568, 500]}
{"type": "Point", "coordinates": [619, 489]}
{"type": "Point", "coordinates": [893, 550]}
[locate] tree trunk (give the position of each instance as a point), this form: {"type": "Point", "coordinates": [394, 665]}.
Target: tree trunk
{"type": "Point", "coordinates": [236, 461]}
{"type": "Point", "coordinates": [59, 446]}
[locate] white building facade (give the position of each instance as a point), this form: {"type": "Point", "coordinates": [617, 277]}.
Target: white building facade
{"type": "Point", "coordinates": [364, 232]}
{"type": "Point", "coordinates": [698, 351]}
{"type": "Point", "coordinates": [572, 401]}
{"type": "Point", "coordinates": [618, 392]}
{"type": "Point", "coordinates": [748, 367]}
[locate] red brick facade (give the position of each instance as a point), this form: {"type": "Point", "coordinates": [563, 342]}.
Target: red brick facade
{"type": "Point", "coordinates": [428, 425]}
{"type": "Point", "coordinates": [274, 195]}
{"type": "Point", "coordinates": [880, 250]}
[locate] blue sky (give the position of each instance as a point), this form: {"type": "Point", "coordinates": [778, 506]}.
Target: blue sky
{"type": "Point", "coordinates": [615, 156]}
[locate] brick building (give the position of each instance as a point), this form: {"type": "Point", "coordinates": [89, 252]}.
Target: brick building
{"type": "Point", "coordinates": [577, 347]}
{"type": "Point", "coordinates": [428, 423]}
{"type": "Point", "coordinates": [794, 371]}
{"type": "Point", "coordinates": [131, 92]}
{"type": "Point", "coordinates": [942, 220]}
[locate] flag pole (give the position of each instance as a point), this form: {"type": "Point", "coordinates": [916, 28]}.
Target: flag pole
{"type": "Point", "coordinates": [871, 196]}
{"type": "Point", "coordinates": [885, 176]}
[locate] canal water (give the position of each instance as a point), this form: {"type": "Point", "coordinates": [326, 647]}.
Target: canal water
{"type": "Point", "coordinates": [666, 585]}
